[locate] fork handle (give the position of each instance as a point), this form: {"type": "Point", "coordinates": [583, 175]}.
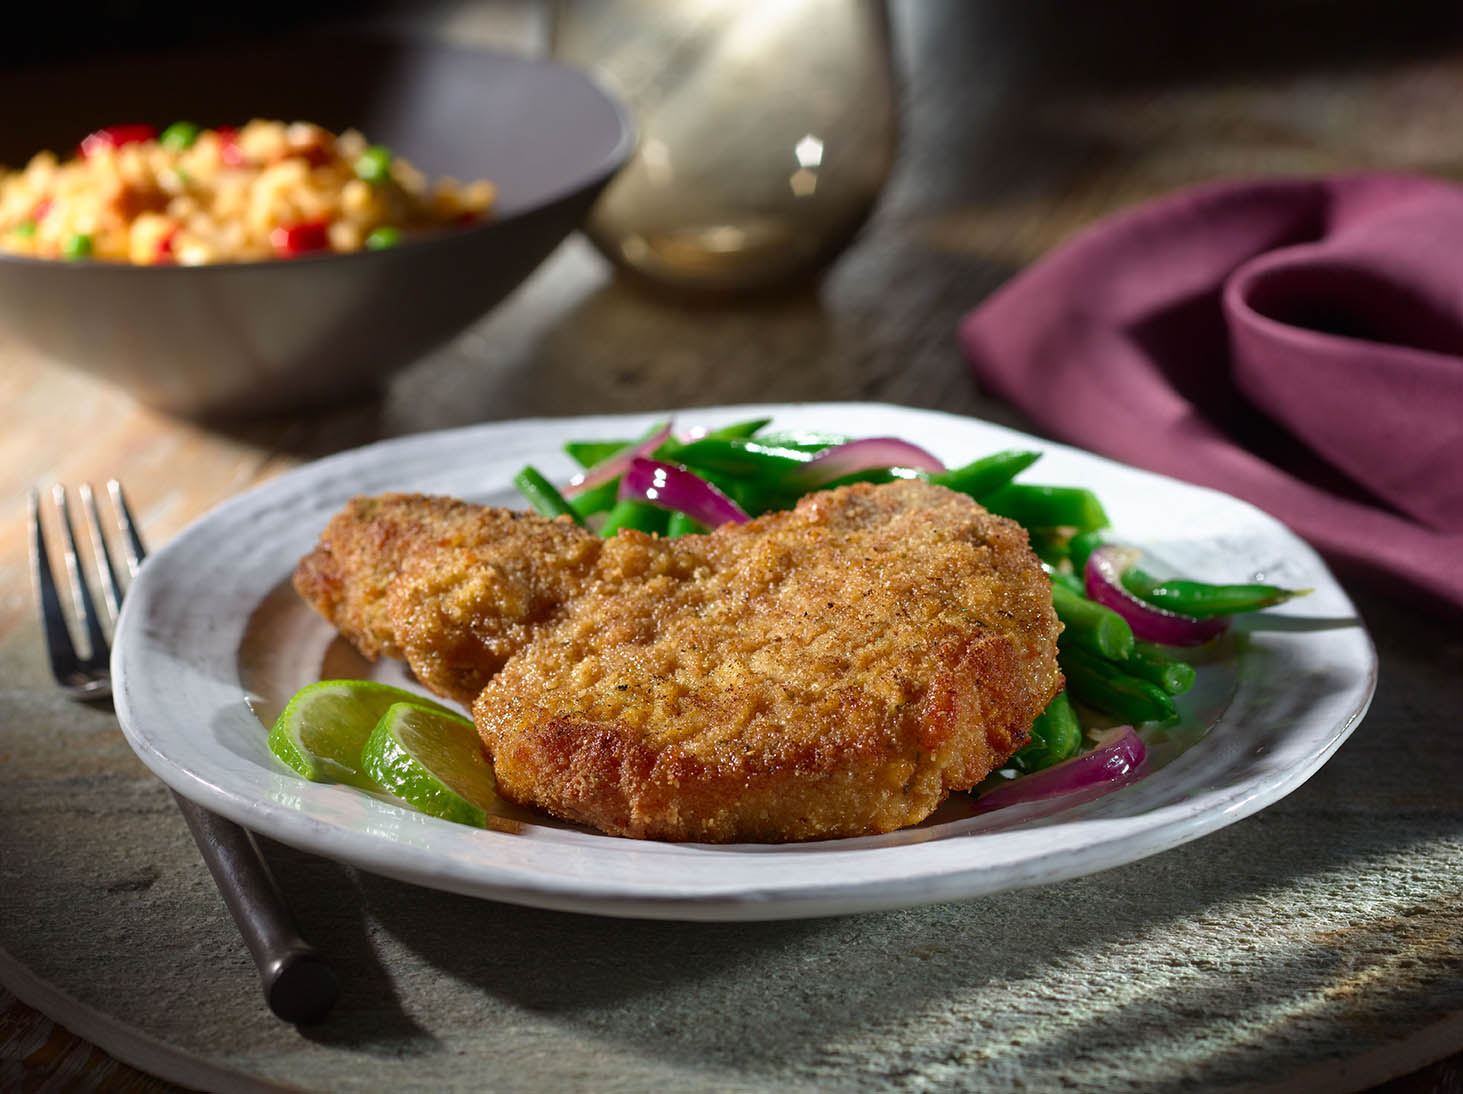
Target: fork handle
{"type": "Point", "coordinates": [299, 984]}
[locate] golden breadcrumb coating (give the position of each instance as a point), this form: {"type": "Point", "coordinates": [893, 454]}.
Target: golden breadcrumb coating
{"type": "Point", "coordinates": [833, 670]}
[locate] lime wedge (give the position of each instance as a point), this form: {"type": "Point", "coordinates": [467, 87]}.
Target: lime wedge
{"type": "Point", "coordinates": [321, 730]}
{"type": "Point", "coordinates": [433, 761]}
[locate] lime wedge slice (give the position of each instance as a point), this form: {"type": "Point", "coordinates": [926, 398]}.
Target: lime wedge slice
{"type": "Point", "coordinates": [434, 761]}
{"type": "Point", "coordinates": [322, 729]}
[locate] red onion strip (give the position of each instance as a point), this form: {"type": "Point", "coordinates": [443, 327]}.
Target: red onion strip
{"type": "Point", "coordinates": [1115, 762]}
{"type": "Point", "coordinates": [672, 487]}
{"type": "Point", "coordinates": [614, 466]}
{"type": "Point", "coordinates": [869, 454]}
{"type": "Point", "coordinates": [1151, 623]}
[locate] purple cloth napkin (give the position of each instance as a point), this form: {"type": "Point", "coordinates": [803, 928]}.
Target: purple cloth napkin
{"type": "Point", "coordinates": [1296, 342]}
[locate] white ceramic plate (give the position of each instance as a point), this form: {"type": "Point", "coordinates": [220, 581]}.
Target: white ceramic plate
{"type": "Point", "coordinates": [213, 641]}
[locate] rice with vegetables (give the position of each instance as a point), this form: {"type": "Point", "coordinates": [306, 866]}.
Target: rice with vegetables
{"type": "Point", "coordinates": [193, 196]}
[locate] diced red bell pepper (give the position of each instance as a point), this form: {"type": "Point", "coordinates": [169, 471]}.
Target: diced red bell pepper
{"type": "Point", "coordinates": [316, 155]}
{"type": "Point", "coordinates": [42, 208]}
{"type": "Point", "coordinates": [290, 240]}
{"type": "Point", "coordinates": [115, 136]}
{"type": "Point", "coordinates": [228, 147]}
{"type": "Point", "coordinates": [163, 256]}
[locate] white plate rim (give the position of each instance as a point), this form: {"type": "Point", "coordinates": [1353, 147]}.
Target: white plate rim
{"type": "Point", "coordinates": [1089, 844]}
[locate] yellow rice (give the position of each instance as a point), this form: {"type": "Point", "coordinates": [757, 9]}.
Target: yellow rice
{"type": "Point", "coordinates": [225, 198]}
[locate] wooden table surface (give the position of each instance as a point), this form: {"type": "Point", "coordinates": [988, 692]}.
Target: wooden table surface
{"type": "Point", "coordinates": [1022, 122]}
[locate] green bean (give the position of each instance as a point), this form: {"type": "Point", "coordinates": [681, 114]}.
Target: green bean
{"type": "Point", "coordinates": [805, 440]}
{"type": "Point", "coordinates": [1092, 626]}
{"type": "Point", "coordinates": [1048, 506]}
{"type": "Point", "coordinates": [636, 514]}
{"type": "Point", "coordinates": [754, 499]}
{"type": "Point", "coordinates": [767, 465]}
{"type": "Point", "coordinates": [749, 428]}
{"type": "Point", "coordinates": [1049, 544]}
{"type": "Point", "coordinates": [589, 453]}
{"type": "Point", "coordinates": [1080, 548]}
{"type": "Point", "coordinates": [1139, 582]}
{"type": "Point", "coordinates": [1103, 686]}
{"type": "Point", "coordinates": [597, 499]}
{"type": "Point", "coordinates": [1142, 659]}
{"type": "Point", "coordinates": [874, 475]}
{"type": "Point", "coordinates": [1152, 663]}
{"type": "Point", "coordinates": [682, 525]}
{"type": "Point", "coordinates": [1202, 601]}
{"type": "Point", "coordinates": [1056, 735]}
{"type": "Point", "coordinates": [986, 474]}
{"type": "Point", "coordinates": [762, 496]}
{"type": "Point", "coordinates": [1070, 582]}
{"type": "Point", "coordinates": [542, 495]}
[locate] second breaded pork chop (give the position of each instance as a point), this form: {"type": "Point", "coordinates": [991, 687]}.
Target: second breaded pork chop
{"type": "Point", "coordinates": [834, 670]}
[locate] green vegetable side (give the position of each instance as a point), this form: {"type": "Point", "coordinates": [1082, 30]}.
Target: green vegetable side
{"type": "Point", "coordinates": [1110, 672]}
{"type": "Point", "coordinates": [379, 738]}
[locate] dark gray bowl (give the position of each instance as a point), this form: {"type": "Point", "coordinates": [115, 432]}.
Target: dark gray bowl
{"type": "Point", "coordinates": [267, 336]}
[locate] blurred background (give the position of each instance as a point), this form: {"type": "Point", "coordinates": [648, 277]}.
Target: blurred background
{"type": "Point", "coordinates": [1013, 125]}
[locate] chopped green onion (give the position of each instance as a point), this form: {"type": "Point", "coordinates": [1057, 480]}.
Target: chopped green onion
{"type": "Point", "coordinates": [179, 136]}
{"type": "Point", "coordinates": [25, 229]}
{"type": "Point", "coordinates": [374, 164]}
{"type": "Point", "coordinates": [77, 246]}
{"type": "Point", "coordinates": [383, 238]}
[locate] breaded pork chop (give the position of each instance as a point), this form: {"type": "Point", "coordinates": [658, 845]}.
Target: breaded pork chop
{"type": "Point", "coordinates": [834, 670]}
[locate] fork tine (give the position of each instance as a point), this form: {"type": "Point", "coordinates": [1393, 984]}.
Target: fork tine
{"type": "Point", "coordinates": [131, 541]}
{"type": "Point", "coordinates": [80, 590]}
{"type": "Point", "coordinates": [53, 619]}
{"type": "Point", "coordinates": [101, 554]}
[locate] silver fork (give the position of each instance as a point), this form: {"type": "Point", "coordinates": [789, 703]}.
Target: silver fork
{"type": "Point", "coordinates": [299, 985]}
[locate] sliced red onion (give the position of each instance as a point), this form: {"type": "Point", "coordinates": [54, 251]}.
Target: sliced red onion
{"type": "Point", "coordinates": [1104, 580]}
{"type": "Point", "coordinates": [869, 454]}
{"type": "Point", "coordinates": [614, 466]}
{"type": "Point", "coordinates": [1114, 762]}
{"type": "Point", "coordinates": [672, 487]}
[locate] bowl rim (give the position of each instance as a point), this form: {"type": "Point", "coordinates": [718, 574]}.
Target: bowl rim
{"type": "Point", "coordinates": [605, 169]}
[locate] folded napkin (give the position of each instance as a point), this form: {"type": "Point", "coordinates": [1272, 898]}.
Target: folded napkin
{"type": "Point", "coordinates": [1296, 342]}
